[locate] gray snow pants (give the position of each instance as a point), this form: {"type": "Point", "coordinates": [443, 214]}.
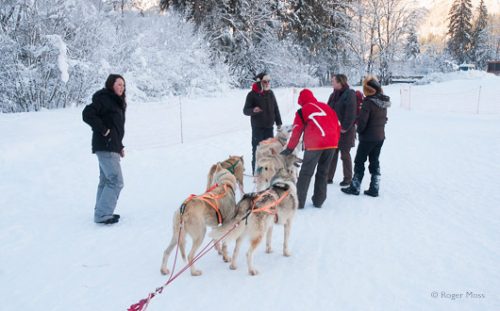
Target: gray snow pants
{"type": "Point", "coordinates": [321, 158]}
{"type": "Point", "coordinates": [110, 185]}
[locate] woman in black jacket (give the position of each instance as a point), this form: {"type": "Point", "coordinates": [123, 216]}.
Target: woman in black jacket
{"type": "Point", "coordinates": [343, 101]}
{"type": "Point", "coordinates": [371, 130]}
{"type": "Point", "coordinates": [106, 117]}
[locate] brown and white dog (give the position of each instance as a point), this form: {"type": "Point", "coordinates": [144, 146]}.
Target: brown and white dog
{"type": "Point", "coordinates": [273, 146]}
{"type": "Point", "coordinates": [268, 159]}
{"type": "Point", "coordinates": [267, 168]}
{"type": "Point", "coordinates": [233, 164]}
{"type": "Point", "coordinates": [199, 212]}
{"type": "Point", "coordinates": [256, 213]}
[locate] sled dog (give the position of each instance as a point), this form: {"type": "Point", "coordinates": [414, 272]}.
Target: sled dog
{"type": "Point", "coordinates": [214, 207]}
{"type": "Point", "coordinates": [233, 164]}
{"type": "Point", "coordinates": [256, 213]}
{"type": "Point", "coordinates": [272, 146]}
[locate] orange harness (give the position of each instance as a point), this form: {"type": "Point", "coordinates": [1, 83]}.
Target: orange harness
{"type": "Point", "coordinates": [269, 141]}
{"type": "Point", "coordinates": [209, 198]}
{"type": "Point", "coordinates": [268, 207]}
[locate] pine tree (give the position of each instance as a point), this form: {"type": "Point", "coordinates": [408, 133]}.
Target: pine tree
{"type": "Point", "coordinates": [412, 48]}
{"type": "Point", "coordinates": [480, 51]}
{"type": "Point", "coordinates": [460, 29]}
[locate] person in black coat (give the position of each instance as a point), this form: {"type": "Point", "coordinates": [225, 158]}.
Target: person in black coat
{"type": "Point", "coordinates": [371, 130]}
{"type": "Point", "coordinates": [262, 107]}
{"type": "Point", "coordinates": [106, 117]}
{"type": "Point", "coordinates": [343, 101]}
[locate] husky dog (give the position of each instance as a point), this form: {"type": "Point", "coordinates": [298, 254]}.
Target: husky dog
{"type": "Point", "coordinates": [267, 167]}
{"type": "Point", "coordinates": [233, 164]}
{"type": "Point", "coordinates": [197, 212]}
{"type": "Point", "coordinates": [272, 146]}
{"type": "Point", "coordinates": [256, 213]}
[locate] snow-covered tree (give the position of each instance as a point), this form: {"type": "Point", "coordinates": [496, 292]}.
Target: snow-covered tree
{"type": "Point", "coordinates": [480, 51]}
{"type": "Point", "coordinates": [56, 53]}
{"type": "Point", "coordinates": [40, 39]}
{"type": "Point", "coordinates": [460, 29]}
{"type": "Point", "coordinates": [412, 48]}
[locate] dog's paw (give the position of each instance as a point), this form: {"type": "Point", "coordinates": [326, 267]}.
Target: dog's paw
{"type": "Point", "coordinates": [226, 258]}
{"type": "Point", "coordinates": [164, 271]}
{"type": "Point", "coordinates": [286, 253]}
{"type": "Point", "coordinates": [233, 267]}
{"type": "Point", "coordinates": [253, 272]}
{"type": "Point", "coordinates": [196, 272]}
{"type": "Point", "coordinates": [269, 249]}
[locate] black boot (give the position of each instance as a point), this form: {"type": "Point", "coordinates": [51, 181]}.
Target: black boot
{"type": "Point", "coordinates": [374, 186]}
{"type": "Point", "coordinates": [355, 185]}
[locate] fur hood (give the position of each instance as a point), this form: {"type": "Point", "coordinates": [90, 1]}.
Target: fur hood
{"type": "Point", "coordinates": [381, 100]}
{"type": "Point", "coordinates": [371, 86]}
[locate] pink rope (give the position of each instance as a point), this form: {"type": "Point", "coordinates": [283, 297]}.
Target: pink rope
{"type": "Point", "coordinates": [143, 303]}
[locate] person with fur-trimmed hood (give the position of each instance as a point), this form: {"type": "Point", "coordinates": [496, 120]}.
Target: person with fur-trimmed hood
{"type": "Point", "coordinates": [262, 107]}
{"type": "Point", "coordinates": [371, 130]}
{"type": "Point", "coordinates": [320, 126]}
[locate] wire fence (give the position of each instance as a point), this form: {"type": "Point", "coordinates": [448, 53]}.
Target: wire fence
{"type": "Point", "coordinates": [473, 100]}
{"type": "Point", "coordinates": [185, 120]}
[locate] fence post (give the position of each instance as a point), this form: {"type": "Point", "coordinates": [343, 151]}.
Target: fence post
{"type": "Point", "coordinates": [478, 100]}
{"type": "Point", "coordinates": [180, 115]}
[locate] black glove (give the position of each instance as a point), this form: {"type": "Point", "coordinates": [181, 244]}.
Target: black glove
{"type": "Point", "coordinates": [286, 152]}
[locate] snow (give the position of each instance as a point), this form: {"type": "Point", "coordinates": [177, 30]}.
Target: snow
{"type": "Point", "coordinates": [433, 229]}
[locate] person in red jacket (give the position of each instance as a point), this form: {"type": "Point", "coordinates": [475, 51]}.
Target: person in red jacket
{"type": "Point", "coordinates": [321, 129]}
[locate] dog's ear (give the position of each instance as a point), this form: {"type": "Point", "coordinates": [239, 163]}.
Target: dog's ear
{"type": "Point", "coordinates": [273, 152]}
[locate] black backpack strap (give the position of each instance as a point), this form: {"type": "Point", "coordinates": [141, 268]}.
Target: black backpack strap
{"type": "Point", "coordinates": [301, 115]}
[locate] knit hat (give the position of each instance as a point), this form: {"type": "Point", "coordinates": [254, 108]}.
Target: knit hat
{"type": "Point", "coordinates": [306, 97]}
{"type": "Point", "coordinates": [262, 76]}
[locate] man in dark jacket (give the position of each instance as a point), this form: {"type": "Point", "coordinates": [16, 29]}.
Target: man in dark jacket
{"type": "Point", "coordinates": [371, 130]}
{"type": "Point", "coordinates": [106, 117]}
{"type": "Point", "coordinates": [263, 110]}
{"type": "Point", "coordinates": [343, 101]}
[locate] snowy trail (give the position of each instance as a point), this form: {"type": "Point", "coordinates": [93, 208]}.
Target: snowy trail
{"type": "Point", "coordinates": [434, 227]}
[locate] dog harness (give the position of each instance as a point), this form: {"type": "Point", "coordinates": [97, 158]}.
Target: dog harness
{"type": "Point", "coordinates": [209, 198]}
{"type": "Point", "coordinates": [268, 208]}
{"type": "Point", "coordinates": [232, 167]}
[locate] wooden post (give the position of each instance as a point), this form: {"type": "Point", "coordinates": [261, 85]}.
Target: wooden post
{"type": "Point", "coordinates": [478, 100]}
{"type": "Point", "coordinates": [180, 115]}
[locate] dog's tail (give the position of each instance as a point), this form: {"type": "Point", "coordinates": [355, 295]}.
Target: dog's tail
{"type": "Point", "coordinates": [176, 239]}
{"type": "Point", "coordinates": [182, 237]}
{"type": "Point", "coordinates": [243, 209]}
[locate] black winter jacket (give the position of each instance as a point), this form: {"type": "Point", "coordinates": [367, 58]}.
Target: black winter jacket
{"type": "Point", "coordinates": [345, 107]}
{"type": "Point", "coordinates": [373, 117]}
{"type": "Point", "coordinates": [107, 111]}
{"type": "Point", "coordinates": [267, 102]}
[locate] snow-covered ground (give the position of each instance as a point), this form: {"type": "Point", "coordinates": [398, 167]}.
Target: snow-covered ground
{"type": "Point", "coordinates": [433, 231]}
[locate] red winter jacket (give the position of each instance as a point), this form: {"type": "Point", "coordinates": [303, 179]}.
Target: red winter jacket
{"type": "Point", "coordinates": [317, 121]}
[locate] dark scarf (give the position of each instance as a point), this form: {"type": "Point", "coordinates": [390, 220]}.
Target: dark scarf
{"type": "Point", "coordinates": [338, 93]}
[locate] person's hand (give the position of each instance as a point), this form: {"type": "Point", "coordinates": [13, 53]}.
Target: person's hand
{"type": "Point", "coordinates": [122, 153]}
{"type": "Point", "coordinates": [278, 127]}
{"type": "Point", "coordinates": [257, 110]}
{"type": "Point", "coordinates": [343, 131]}
{"type": "Point", "coordinates": [286, 152]}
